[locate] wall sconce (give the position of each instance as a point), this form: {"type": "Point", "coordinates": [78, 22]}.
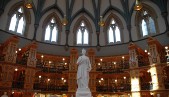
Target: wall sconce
{"type": "Point", "coordinates": [19, 49]}
{"type": "Point", "coordinates": [42, 56]}
{"type": "Point", "coordinates": [28, 4]}
{"type": "Point", "coordinates": [40, 76]}
{"type": "Point", "coordinates": [101, 60]}
{"type": "Point", "coordinates": [16, 69]}
{"type": "Point", "coordinates": [64, 21]}
{"type": "Point", "coordinates": [64, 81]}
{"type": "Point", "coordinates": [138, 6]}
{"type": "Point", "coordinates": [101, 22]}
{"type": "Point", "coordinates": [148, 53]}
{"type": "Point", "coordinates": [99, 64]}
{"type": "Point", "coordinates": [48, 79]}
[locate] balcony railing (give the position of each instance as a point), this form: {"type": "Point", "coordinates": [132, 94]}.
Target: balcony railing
{"type": "Point", "coordinates": [113, 89]}
{"type": "Point", "coordinates": [51, 87]}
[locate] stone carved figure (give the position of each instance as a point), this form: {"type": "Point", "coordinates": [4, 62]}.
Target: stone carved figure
{"type": "Point", "coordinates": [84, 67]}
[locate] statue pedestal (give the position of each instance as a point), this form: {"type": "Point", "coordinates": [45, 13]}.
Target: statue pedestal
{"type": "Point", "coordinates": [84, 92]}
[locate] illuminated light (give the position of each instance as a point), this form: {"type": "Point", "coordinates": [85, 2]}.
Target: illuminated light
{"type": "Point", "coordinates": [40, 76]}
{"type": "Point", "coordinates": [13, 92]}
{"type": "Point", "coordinates": [62, 78]}
{"type": "Point", "coordinates": [148, 71]}
{"type": "Point", "coordinates": [114, 62]}
{"type": "Point", "coordinates": [99, 81]}
{"type": "Point", "coordinates": [124, 77]}
{"type": "Point", "coordinates": [101, 59]}
{"type": "Point", "coordinates": [138, 6]}
{"type": "Point", "coordinates": [16, 69]}
{"type": "Point", "coordinates": [148, 53]}
{"type": "Point", "coordinates": [48, 79]}
{"type": "Point", "coordinates": [19, 49]}
{"type": "Point", "coordinates": [63, 59]}
{"type": "Point", "coordinates": [16, 51]}
{"type": "Point", "coordinates": [98, 63]}
{"type": "Point", "coordinates": [50, 62]}
{"type": "Point", "coordinates": [64, 81]}
{"type": "Point", "coordinates": [145, 51]}
{"type": "Point", "coordinates": [116, 80]}
{"type": "Point", "coordinates": [64, 21]}
{"type": "Point", "coordinates": [102, 79]}
{"type": "Point", "coordinates": [101, 23]}
{"type": "Point", "coordinates": [42, 56]}
{"type": "Point", "coordinates": [65, 63]}
{"type": "Point", "coordinates": [28, 4]}
{"type": "Point", "coordinates": [166, 47]}
{"type": "Point", "coordinates": [123, 57]}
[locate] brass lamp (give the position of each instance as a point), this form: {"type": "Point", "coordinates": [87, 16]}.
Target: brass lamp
{"type": "Point", "coordinates": [138, 6]}
{"type": "Point", "coordinates": [28, 4]}
{"type": "Point", "coordinates": [64, 21]}
{"type": "Point", "coordinates": [101, 23]}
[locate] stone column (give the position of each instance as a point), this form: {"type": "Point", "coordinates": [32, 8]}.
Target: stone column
{"type": "Point", "coordinates": [10, 49]}
{"type": "Point", "coordinates": [134, 73]}
{"type": "Point", "coordinates": [155, 58]}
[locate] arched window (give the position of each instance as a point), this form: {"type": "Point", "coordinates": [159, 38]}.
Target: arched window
{"type": "Point", "coordinates": [51, 31]}
{"type": "Point", "coordinates": [147, 24]}
{"type": "Point", "coordinates": [113, 32]}
{"type": "Point", "coordinates": [17, 21]}
{"type": "Point", "coordinates": [82, 34]}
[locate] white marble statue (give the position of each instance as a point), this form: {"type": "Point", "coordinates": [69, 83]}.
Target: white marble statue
{"type": "Point", "coordinates": [84, 67]}
{"type": "Point", "coordinates": [5, 94]}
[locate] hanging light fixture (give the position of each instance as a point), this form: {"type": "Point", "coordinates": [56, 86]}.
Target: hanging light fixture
{"type": "Point", "coordinates": [64, 21]}
{"type": "Point", "coordinates": [28, 4]}
{"type": "Point", "coordinates": [138, 6]}
{"type": "Point", "coordinates": [101, 23]}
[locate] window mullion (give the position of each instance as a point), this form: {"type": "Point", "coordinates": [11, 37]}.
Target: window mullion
{"type": "Point", "coordinates": [114, 34]}
{"type": "Point", "coordinates": [51, 30]}
{"type": "Point", "coordinates": [82, 37]}
{"type": "Point", "coordinates": [148, 28]}
{"type": "Point", "coordinates": [17, 23]}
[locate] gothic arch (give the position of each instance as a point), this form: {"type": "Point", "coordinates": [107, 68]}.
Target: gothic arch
{"type": "Point", "coordinates": [58, 22]}
{"type": "Point", "coordinates": [88, 25]}
{"type": "Point", "coordinates": [107, 23]}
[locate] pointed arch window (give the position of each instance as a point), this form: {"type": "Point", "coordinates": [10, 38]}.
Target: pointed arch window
{"type": "Point", "coordinates": [147, 25]}
{"type": "Point", "coordinates": [82, 34]}
{"type": "Point", "coordinates": [113, 32]}
{"type": "Point", "coordinates": [51, 31]}
{"type": "Point", "coordinates": [17, 21]}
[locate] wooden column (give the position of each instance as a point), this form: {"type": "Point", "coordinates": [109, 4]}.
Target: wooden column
{"type": "Point", "coordinates": [92, 74]}
{"type": "Point", "coordinates": [8, 54]}
{"type": "Point", "coordinates": [29, 51]}
{"type": "Point", "coordinates": [9, 49]}
{"type": "Point", "coordinates": [72, 71]}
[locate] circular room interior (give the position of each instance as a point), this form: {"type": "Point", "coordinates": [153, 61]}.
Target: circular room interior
{"type": "Point", "coordinates": [126, 43]}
